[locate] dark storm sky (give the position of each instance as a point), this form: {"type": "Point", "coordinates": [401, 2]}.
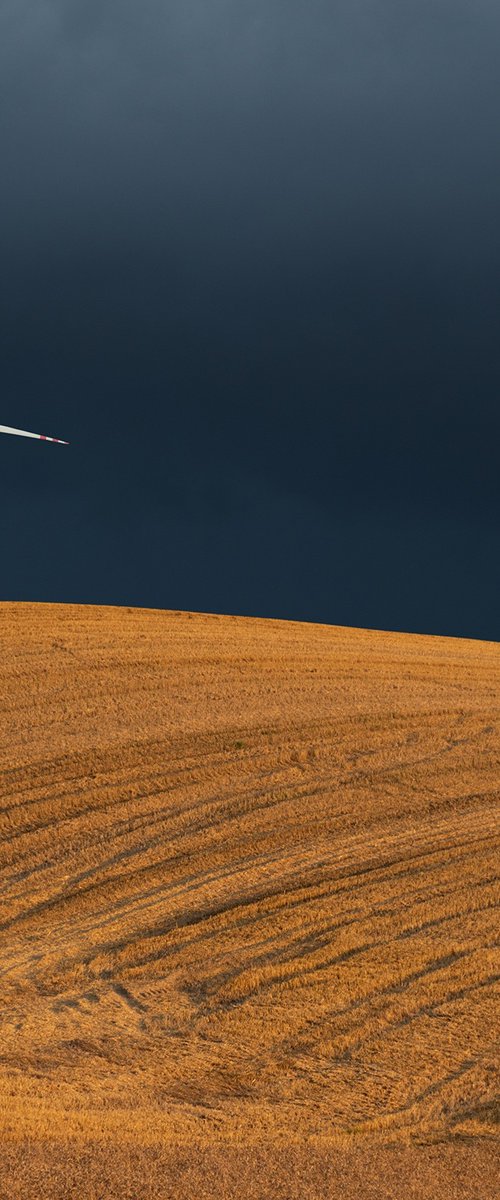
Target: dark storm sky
{"type": "Point", "coordinates": [250, 258]}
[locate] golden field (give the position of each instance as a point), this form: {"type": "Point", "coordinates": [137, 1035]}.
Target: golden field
{"type": "Point", "coordinates": [248, 890]}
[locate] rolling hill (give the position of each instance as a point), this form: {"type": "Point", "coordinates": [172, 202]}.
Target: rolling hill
{"type": "Point", "coordinates": [248, 878]}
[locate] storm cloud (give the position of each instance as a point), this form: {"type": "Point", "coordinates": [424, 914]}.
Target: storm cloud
{"type": "Point", "coordinates": [251, 270]}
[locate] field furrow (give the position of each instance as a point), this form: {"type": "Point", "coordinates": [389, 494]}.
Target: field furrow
{"type": "Point", "coordinates": [249, 881]}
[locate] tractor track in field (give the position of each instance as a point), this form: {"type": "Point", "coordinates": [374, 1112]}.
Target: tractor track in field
{"type": "Point", "coordinates": [248, 879]}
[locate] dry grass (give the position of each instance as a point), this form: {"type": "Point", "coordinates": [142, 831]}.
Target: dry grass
{"type": "Point", "coordinates": [248, 887]}
{"type": "Point", "coordinates": [36, 1170]}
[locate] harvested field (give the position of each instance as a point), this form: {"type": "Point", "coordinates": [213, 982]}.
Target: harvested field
{"type": "Point", "coordinates": [248, 891]}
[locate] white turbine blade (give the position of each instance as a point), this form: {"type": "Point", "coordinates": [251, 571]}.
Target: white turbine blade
{"type": "Point", "coordinates": [42, 437]}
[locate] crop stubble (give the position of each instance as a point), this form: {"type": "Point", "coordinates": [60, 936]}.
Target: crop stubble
{"type": "Point", "coordinates": [248, 883]}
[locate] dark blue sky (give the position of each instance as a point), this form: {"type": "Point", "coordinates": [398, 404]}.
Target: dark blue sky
{"type": "Point", "coordinates": [250, 269]}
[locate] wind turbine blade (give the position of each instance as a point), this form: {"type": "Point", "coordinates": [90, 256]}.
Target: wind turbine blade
{"type": "Point", "coordinates": [42, 437]}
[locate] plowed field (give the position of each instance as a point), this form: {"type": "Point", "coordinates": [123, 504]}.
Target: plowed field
{"type": "Point", "coordinates": [248, 878]}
